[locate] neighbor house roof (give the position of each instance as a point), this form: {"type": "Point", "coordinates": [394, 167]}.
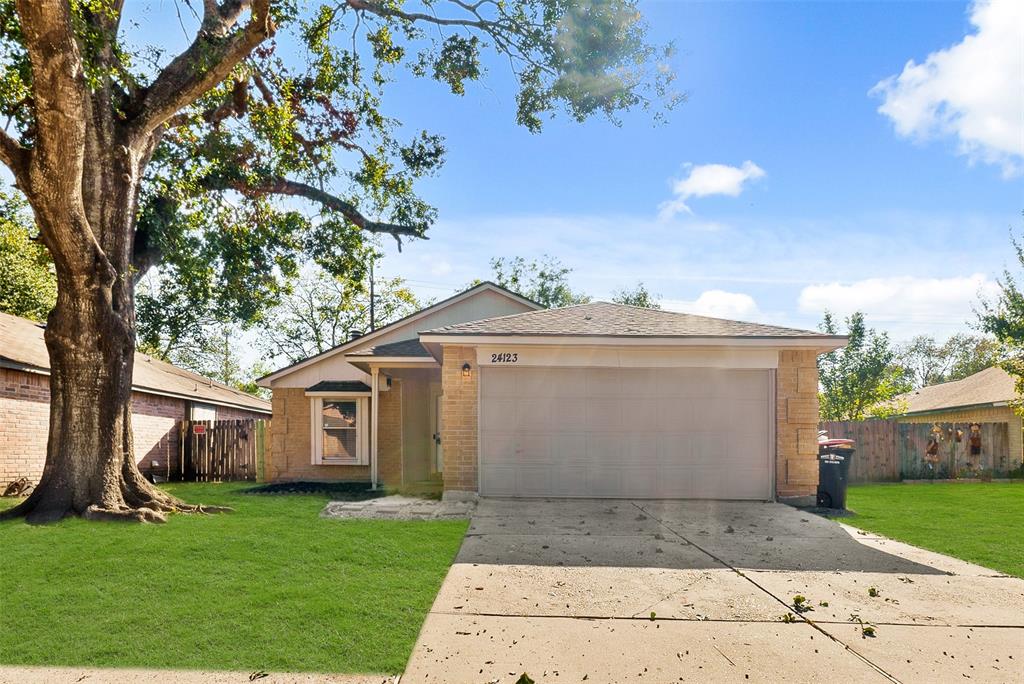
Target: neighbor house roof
{"type": "Point", "coordinates": [992, 386]}
{"type": "Point", "coordinates": [410, 348]}
{"type": "Point", "coordinates": [603, 319]}
{"type": "Point", "coordinates": [22, 348]}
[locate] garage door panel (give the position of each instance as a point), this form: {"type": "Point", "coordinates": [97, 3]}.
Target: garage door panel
{"type": "Point", "coordinates": [536, 413]}
{"type": "Point", "coordinates": [676, 414]}
{"type": "Point", "coordinates": [603, 415]}
{"type": "Point", "coordinates": [675, 448]}
{"type": "Point", "coordinates": [570, 480]}
{"type": "Point", "coordinates": [569, 446]}
{"type": "Point", "coordinates": [639, 382]}
{"type": "Point", "coordinates": [604, 382]}
{"type": "Point", "coordinates": [641, 415]}
{"type": "Point", "coordinates": [640, 480]}
{"type": "Point", "coordinates": [606, 448]}
{"type": "Point", "coordinates": [605, 481]}
{"type": "Point", "coordinates": [715, 415]}
{"type": "Point", "coordinates": [498, 414]}
{"type": "Point", "coordinates": [625, 432]}
{"type": "Point", "coordinates": [642, 449]}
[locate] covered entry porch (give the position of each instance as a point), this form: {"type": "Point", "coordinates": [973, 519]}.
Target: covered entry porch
{"type": "Point", "coordinates": [405, 422]}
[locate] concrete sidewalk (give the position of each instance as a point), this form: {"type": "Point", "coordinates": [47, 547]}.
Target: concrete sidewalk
{"type": "Point", "coordinates": [566, 589]}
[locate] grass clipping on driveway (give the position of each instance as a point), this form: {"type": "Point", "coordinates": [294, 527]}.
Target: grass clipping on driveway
{"type": "Point", "coordinates": [270, 586]}
{"type": "Point", "coordinates": [980, 523]}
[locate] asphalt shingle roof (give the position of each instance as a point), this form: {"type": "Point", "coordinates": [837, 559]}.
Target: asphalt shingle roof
{"type": "Point", "coordinates": [22, 345]}
{"type": "Point", "coordinates": [411, 348]}
{"type": "Point", "coordinates": [339, 386]}
{"type": "Point", "coordinates": [603, 319]}
{"type": "Point", "coordinates": [990, 386]}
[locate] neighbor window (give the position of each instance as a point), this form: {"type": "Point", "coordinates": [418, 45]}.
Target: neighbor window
{"type": "Point", "coordinates": [339, 432]}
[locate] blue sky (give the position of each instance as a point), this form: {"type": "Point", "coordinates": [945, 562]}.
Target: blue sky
{"type": "Point", "coordinates": [849, 213]}
{"type": "Point", "coordinates": [850, 156]}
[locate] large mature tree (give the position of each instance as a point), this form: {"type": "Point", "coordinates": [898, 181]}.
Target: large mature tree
{"type": "Point", "coordinates": [544, 280]}
{"type": "Point", "coordinates": [927, 362]}
{"type": "Point", "coordinates": [638, 296]}
{"type": "Point", "coordinates": [863, 379]}
{"type": "Point", "coordinates": [324, 311]}
{"type": "Point", "coordinates": [131, 158]}
{"type": "Point", "coordinates": [1003, 318]}
{"type": "Point", "coordinates": [28, 286]}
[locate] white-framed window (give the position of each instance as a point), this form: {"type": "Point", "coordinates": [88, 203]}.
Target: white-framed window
{"type": "Point", "coordinates": [340, 435]}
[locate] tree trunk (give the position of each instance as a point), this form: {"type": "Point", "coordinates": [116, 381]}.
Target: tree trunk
{"type": "Point", "coordinates": [90, 466]}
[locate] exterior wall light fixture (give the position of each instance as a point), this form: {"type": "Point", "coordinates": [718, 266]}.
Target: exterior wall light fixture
{"type": "Point", "coordinates": [466, 370]}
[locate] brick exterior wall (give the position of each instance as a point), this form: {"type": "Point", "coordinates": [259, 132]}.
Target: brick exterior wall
{"type": "Point", "coordinates": [992, 414]}
{"type": "Point", "coordinates": [25, 421]}
{"type": "Point", "coordinates": [389, 435]}
{"type": "Point", "coordinates": [291, 451]}
{"type": "Point", "coordinates": [459, 411]}
{"type": "Point", "coordinates": [796, 425]}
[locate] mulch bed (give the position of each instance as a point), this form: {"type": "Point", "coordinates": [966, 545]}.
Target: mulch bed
{"type": "Point", "coordinates": [341, 491]}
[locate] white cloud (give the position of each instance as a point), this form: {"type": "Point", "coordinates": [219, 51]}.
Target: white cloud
{"type": "Point", "coordinates": [972, 90]}
{"type": "Point", "coordinates": [440, 268]}
{"type": "Point", "coordinates": [705, 180]}
{"type": "Point", "coordinates": [717, 303]}
{"type": "Point", "coordinates": [904, 305]}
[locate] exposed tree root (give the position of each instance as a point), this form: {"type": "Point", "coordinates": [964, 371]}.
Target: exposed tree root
{"type": "Point", "coordinates": [139, 501]}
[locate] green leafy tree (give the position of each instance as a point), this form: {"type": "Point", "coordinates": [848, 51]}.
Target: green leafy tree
{"type": "Point", "coordinates": [1003, 318]}
{"type": "Point", "coordinates": [863, 379]}
{"type": "Point", "coordinates": [545, 281]}
{"type": "Point", "coordinates": [264, 144]}
{"type": "Point", "coordinates": [28, 287]}
{"type": "Point", "coordinates": [926, 362]}
{"type": "Point", "coordinates": [324, 311]}
{"type": "Point", "coordinates": [638, 296]}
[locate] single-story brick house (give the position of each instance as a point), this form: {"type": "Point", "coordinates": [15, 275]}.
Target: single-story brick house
{"type": "Point", "coordinates": [164, 395]}
{"type": "Point", "coordinates": [490, 394]}
{"type": "Point", "coordinates": [985, 397]}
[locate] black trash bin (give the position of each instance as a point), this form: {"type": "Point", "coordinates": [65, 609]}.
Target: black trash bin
{"type": "Point", "coordinates": [833, 469]}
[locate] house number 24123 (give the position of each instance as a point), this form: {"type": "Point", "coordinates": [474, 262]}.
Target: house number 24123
{"type": "Point", "coordinates": [505, 357]}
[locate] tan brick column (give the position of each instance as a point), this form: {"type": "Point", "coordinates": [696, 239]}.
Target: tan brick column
{"type": "Point", "coordinates": [459, 411]}
{"type": "Point", "coordinates": [796, 466]}
{"type": "Point", "coordinates": [389, 435]}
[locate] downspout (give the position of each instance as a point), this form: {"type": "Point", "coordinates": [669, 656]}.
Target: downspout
{"type": "Point", "coordinates": [374, 396]}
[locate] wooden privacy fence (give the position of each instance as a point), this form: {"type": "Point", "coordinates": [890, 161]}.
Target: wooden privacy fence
{"type": "Point", "coordinates": [876, 458]}
{"type": "Point", "coordinates": [889, 451]}
{"type": "Point", "coordinates": [222, 450]}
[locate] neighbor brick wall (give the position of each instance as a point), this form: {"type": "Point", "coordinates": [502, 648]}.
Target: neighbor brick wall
{"type": "Point", "coordinates": [389, 435]}
{"type": "Point", "coordinates": [25, 420]}
{"type": "Point", "coordinates": [796, 458]}
{"type": "Point", "coordinates": [459, 409]}
{"type": "Point", "coordinates": [992, 414]}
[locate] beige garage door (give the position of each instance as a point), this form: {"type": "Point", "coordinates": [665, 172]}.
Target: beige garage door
{"type": "Point", "coordinates": [625, 432]}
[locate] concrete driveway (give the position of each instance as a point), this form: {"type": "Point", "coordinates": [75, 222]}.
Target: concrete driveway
{"type": "Point", "coordinates": [657, 591]}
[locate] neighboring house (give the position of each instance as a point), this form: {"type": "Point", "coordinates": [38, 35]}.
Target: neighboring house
{"type": "Point", "coordinates": [489, 393]}
{"type": "Point", "coordinates": [985, 397]}
{"type": "Point", "coordinates": [164, 395]}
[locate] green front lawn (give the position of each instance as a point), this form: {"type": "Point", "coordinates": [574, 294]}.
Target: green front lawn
{"type": "Point", "coordinates": [978, 522]}
{"type": "Point", "coordinates": [270, 586]}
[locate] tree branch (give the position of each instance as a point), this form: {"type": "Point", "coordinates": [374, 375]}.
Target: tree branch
{"type": "Point", "coordinates": [211, 57]}
{"type": "Point", "coordinates": [14, 156]}
{"type": "Point", "coordinates": [284, 186]}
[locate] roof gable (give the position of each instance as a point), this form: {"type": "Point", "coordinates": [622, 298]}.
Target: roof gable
{"type": "Point", "coordinates": [479, 301]}
{"type": "Point", "coordinates": [990, 386]}
{"type": "Point", "coordinates": [604, 319]}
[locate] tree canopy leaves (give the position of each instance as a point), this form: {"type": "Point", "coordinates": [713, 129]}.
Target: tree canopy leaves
{"type": "Point", "coordinates": [638, 296]}
{"type": "Point", "coordinates": [545, 280]}
{"type": "Point", "coordinates": [28, 287]}
{"type": "Point", "coordinates": [1003, 317]}
{"type": "Point", "coordinates": [862, 379]}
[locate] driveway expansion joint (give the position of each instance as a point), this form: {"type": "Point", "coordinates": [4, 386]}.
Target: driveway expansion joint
{"type": "Point", "coordinates": [812, 623]}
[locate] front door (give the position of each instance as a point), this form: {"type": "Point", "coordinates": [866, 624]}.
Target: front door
{"type": "Point", "coordinates": [437, 423]}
